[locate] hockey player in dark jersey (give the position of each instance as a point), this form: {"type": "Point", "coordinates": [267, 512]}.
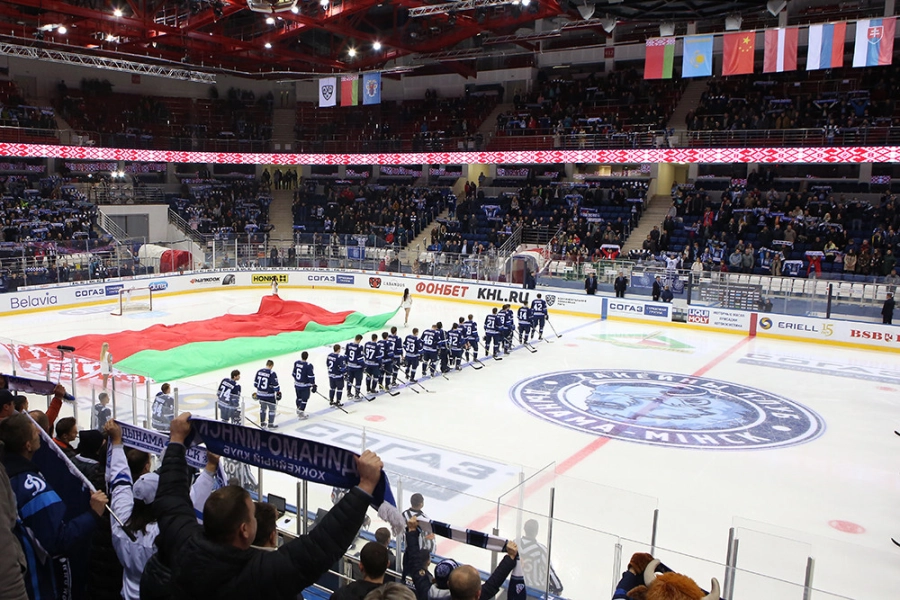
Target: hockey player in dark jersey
{"type": "Point", "coordinates": [372, 361]}
{"type": "Point", "coordinates": [470, 329]}
{"type": "Point", "coordinates": [229, 395]}
{"type": "Point", "coordinates": [509, 323]}
{"type": "Point", "coordinates": [304, 383]}
{"type": "Point", "coordinates": [525, 316]}
{"type": "Point", "coordinates": [386, 361]}
{"type": "Point", "coordinates": [396, 345]}
{"type": "Point", "coordinates": [492, 333]}
{"type": "Point", "coordinates": [337, 369]}
{"type": "Point", "coordinates": [455, 345]}
{"type": "Point", "coordinates": [443, 350]}
{"type": "Point", "coordinates": [412, 346]}
{"type": "Point", "coordinates": [268, 392]}
{"type": "Point", "coordinates": [539, 309]}
{"type": "Point", "coordinates": [430, 342]}
{"type": "Point", "coordinates": [163, 410]}
{"type": "Point", "coordinates": [502, 327]}
{"type": "Point", "coordinates": [354, 354]}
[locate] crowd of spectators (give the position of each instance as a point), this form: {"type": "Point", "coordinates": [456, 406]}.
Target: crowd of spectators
{"type": "Point", "coordinates": [173, 532]}
{"type": "Point", "coordinates": [224, 208]}
{"type": "Point", "coordinates": [395, 214]}
{"type": "Point", "coordinates": [16, 112]}
{"type": "Point", "coordinates": [851, 100]}
{"type": "Point", "coordinates": [578, 220]}
{"type": "Point", "coordinates": [618, 103]}
{"type": "Point", "coordinates": [128, 118]}
{"type": "Point", "coordinates": [410, 125]}
{"type": "Point", "coordinates": [750, 227]}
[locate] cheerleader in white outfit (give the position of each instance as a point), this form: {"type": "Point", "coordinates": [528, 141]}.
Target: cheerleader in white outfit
{"type": "Point", "coordinates": [106, 361]}
{"type": "Point", "coordinates": [406, 304]}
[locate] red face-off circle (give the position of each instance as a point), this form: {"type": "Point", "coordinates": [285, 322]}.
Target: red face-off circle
{"type": "Point", "coordinates": [375, 418]}
{"type": "Point", "coordinates": [847, 526]}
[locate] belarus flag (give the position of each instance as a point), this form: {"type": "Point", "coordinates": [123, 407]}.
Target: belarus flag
{"type": "Point", "coordinates": [781, 50]}
{"type": "Point", "coordinates": [660, 56]}
{"type": "Point", "coordinates": [826, 46]}
{"type": "Point", "coordinates": [874, 45]}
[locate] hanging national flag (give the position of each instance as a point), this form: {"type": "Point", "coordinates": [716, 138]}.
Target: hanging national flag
{"type": "Point", "coordinates": [659, 58]}
{"type": "Point", "coordinates": [781, 50]}
{"type": "Point", "coordinates": [874, 45]}
{"type": "Point", "coordinates": [372, 88]}
{"type": "Point", "coordinates": [697, 58]}
{"type": "Point", "coordinates": [349, 94]}
{"type": "Point", "coordinates": [327, 91]}
{"type": "Point", "coordinates": [826, 46]}
{"type": "Point", "coordinates": [737, 50]}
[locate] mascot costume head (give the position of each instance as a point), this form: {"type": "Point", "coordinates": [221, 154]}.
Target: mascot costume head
{"type": "Point", "coordinates": [670, 586]}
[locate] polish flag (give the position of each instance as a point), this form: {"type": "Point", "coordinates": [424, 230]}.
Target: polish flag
{"type": "Point", "coordinates": [780, 50]}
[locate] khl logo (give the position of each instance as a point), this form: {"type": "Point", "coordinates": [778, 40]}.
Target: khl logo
{"type": "Point", "coordinates": [667, 409]}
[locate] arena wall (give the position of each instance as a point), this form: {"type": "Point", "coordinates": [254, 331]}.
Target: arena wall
{"type": "Point", "coordinates": [786, 327]}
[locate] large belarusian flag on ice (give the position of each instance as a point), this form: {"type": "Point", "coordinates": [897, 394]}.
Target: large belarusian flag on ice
{"type": "Point", "coordinates": [166, 352]}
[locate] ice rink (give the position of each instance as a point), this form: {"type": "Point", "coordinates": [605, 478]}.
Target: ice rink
{"type": "Point", "coordinates": [790, 444]}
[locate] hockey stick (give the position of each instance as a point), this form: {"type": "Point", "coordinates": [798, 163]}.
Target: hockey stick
{"type": "Point", "coordinates": [553, 328]}
{"type": "Point", "coordinates": [411, 383]}
{"type": "Point", "coordinates": [333, 404]}
{"type": "Point", "coordinates": [896, 543]}
{"type": "Point", "coordinates": [897, 432]}
{"type": "Point", "coordinates": [531, 348]}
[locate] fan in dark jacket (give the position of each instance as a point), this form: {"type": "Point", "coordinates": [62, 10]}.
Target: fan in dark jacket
{"type": "Point", "coordinates": [215, 560]}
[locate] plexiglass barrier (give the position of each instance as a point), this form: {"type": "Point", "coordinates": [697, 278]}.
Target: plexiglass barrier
{"type": "Point", "coordinates": [537, 508]}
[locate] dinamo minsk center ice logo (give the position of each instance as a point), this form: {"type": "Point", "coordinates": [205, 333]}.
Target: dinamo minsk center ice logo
{"type": "Point", "coordinates": [667, 409]}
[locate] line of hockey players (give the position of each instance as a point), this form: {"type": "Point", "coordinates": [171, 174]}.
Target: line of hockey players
{"type": "Point", "coordinates": [382, 359]}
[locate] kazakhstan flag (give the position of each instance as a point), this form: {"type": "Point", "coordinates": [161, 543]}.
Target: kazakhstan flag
{"type": "Point", "coordinates": [697, 57]}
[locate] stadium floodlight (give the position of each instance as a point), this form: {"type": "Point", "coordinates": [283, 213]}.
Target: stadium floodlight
{"type": "Point", "coordinates": [62, 29]}
{"type": "Point", "coordinates": [608, 24]}
{"type": "Point", "coordinates": [733, 22]}
{"type": "Point", "coordinates": [776, 6]}
{"type": "Point", "coordinates": [271, 6]}
{"type": "Point", "coordinates": [667, 29]}
{"type": "Point", "coordinates": [376, 46]}
{"type": "Point", "coordinates": [586, 10]}
{"type": "Point", "coordinates": [117, 12]}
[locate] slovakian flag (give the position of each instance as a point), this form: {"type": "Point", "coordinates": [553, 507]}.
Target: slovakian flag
{"type": "Point", "coordinates": [874, 45]}
{"type": "Point", "coordinates": [737, 52]}
{"type": "Point", "coordinates": [659, 58]}
{"type": "Point", "coordinates": [372, 88]}
{"type": "Point", "coordinates": [781, 50]}
{"type": "Point", "coordinates": [349, 93]}
{"type": "Point", "coordinates": [826, 46]}
{"type": "Point", "coordinates": [697, 58]}
{"type": "Point", "coordinates": [327, 92]}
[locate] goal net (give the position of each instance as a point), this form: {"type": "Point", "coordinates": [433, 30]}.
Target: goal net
{"type": "Point", "coordinates": [134, 300]}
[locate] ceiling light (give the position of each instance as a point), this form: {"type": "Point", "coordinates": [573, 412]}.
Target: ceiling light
{"type": "Point", "coordinates": [586, 10]}
{"type": "Point", "coordinates": [376, 46]}
{"type": "Point", "coordinates": [62, 29]}
{"type": "Point", "coordinates": [733, 23]}
{"type": "Point", "coordinates": [270, 20]}
{"type": "Point", "coordinates": [295, 10]}
{"type": "Point", "coordinates": [110, 37]}
{"type": "Point", "coordinates": [776, 6]}
{"type": "Point", "coordinates": [324, 3]}
{"type": "Point", "coordinates": [526, 2]}
{"type": "Point", "coordinates": [667, 29]}
{"type": "Point", "coordinates": [351, 52]}
{"type": "Point", "coordinates": [117, 12]}
{"type": "Point", "coordinates": [268, 46]}
{"type": "Point", "coordinates": [608, 24]}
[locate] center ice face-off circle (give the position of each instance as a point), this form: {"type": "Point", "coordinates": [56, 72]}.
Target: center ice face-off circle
{"type": "Point", "coordinates": [667, 409]}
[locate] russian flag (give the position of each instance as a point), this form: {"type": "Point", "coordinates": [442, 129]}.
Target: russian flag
{"type": "Point", "coordinates": [874, 44]}
{"type": "Point", "coordinates": [780, 50]}
{"type": "Point", "coordinates": [826, 46]}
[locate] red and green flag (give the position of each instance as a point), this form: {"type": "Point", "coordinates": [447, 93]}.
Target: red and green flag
{"type": "Point", "coordinates": [659, 58]}
{"type": "Point", "coordinates": [349, 90]}
{"type": "Point", "coordinates": [167, 352]}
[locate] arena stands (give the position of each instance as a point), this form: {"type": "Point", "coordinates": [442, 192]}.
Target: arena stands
{"type": "Point", "coordinates": [225, 209]}
{"type": "Point", "coordinates": [240, 122]}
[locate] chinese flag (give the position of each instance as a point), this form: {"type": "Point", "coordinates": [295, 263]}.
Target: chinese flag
{"type": "Point", "coordinates": [738, 49]}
